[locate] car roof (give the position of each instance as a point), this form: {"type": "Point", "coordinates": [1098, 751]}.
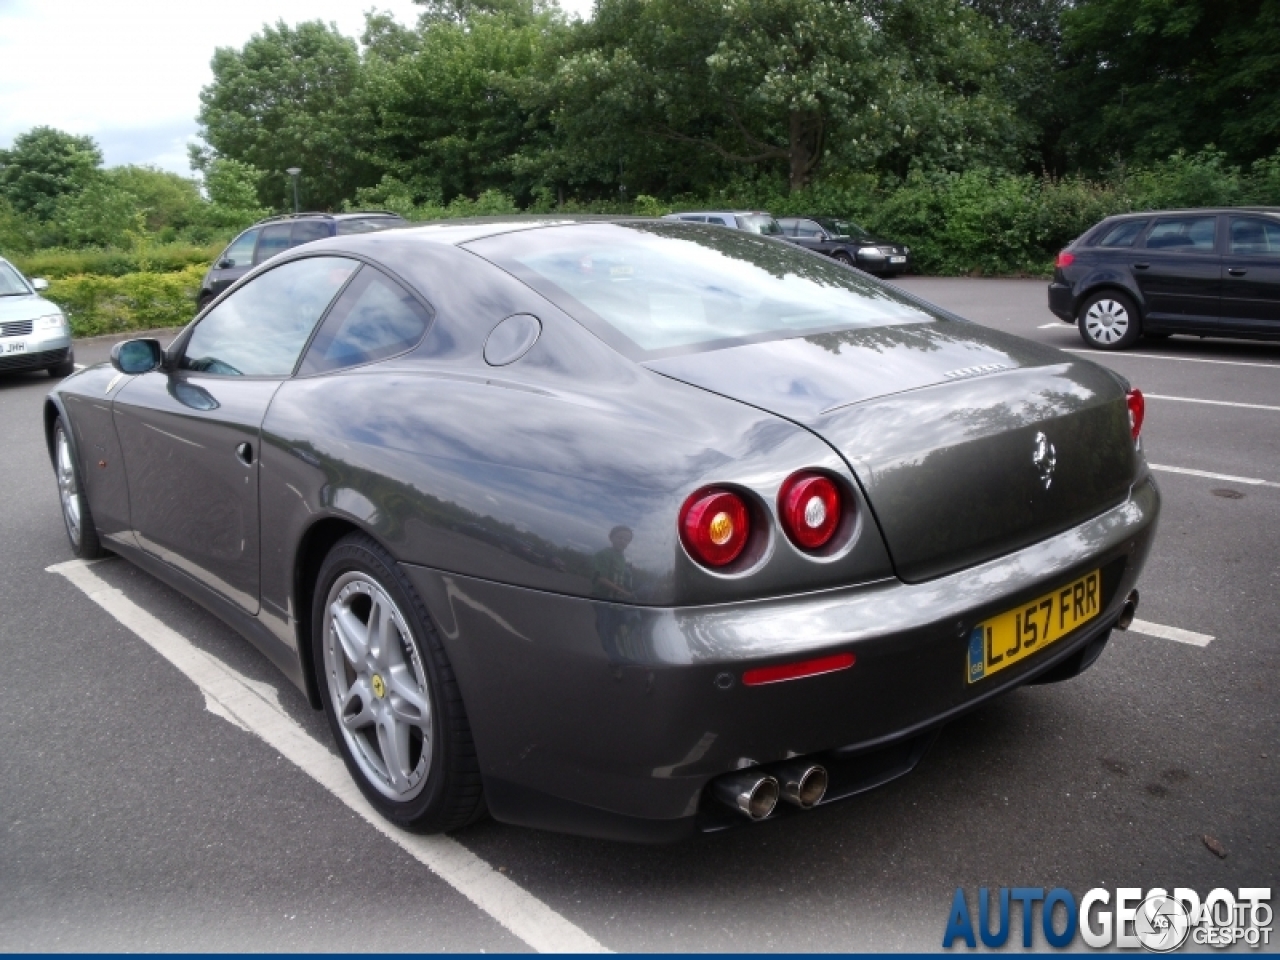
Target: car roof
{"type": "Point", "coordinates": [321, 215]}
{"type": "Point", "coordinates": [718, 213]}
{"type": "Point", "coordinates": [1193, 211]}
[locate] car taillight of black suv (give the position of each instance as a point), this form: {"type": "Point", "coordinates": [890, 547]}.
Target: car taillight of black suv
{"type": "Point", "coordinates": [1207, 273]}
{"type": "Point", "coordinates": [274, 235]}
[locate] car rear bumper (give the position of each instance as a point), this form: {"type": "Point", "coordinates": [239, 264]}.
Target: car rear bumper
{"type": "Point", "coordinates": [1062, 301]}
{"type": "Point", "coordinates": [611, 720]}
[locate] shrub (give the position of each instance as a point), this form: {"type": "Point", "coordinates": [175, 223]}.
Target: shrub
{"type": "Point", "coordinates": [57, 263]}
{"type": "Point", "coordinates": [135, 301]}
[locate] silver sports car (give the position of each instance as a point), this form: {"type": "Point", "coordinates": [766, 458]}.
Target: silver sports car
{"type": "Point", "coordinates": [620, 527]}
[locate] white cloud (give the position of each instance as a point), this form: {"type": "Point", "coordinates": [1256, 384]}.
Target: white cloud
{"type": "Point", "coordinates": [130, 73]}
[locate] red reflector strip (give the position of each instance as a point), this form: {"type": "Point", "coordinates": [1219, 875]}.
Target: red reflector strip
{"type": "Point", "coordinates": [794, 671]}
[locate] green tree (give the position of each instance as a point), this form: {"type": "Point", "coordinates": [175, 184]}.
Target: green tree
{"type": "Point", "coordinates": [286, 100]}
{"type": "Point", "coordinates": [43, 165]}
{"type": "Point", "coordinates": [103, 214]}
{"type": "Point", "coordinates": [1150, 77]}
{"type": "Point", "coordinates": [168, 202]}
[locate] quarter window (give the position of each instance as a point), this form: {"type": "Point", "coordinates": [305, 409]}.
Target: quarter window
{"type": "Point", "coordinates": [240, 253]}
{"type": "Point", "coordinates": [304, 231]}
{"type": "Point", "coordinates": [375, 318]}
{"type": "Point", "coordinates": [1251, 237]}
{"type": "Point", "coordinates": [1183, 235]}
{"type": "Point", "coordinates": [275, 239]}
{"type": "Point", "coordinates": [1123, 234]}
{"type": "Point", "coordinates": [260, 329]}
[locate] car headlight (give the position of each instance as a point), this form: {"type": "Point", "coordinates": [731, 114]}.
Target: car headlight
{"type": "Point", "coordinates": [54, 321]}
{"type": "Point", "coordinates": [870, 252]}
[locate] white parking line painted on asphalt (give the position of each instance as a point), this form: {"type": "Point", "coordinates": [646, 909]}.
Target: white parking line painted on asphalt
{"type": "Point", "coordinates": [1213, 403]}
{"type": "Point", "coordinates": [1248, 481]}
{"type": "Point", "coordinates": [78, 366]}
{"type": "Point", "coordinates": [1170, 633]}
{"type": "Point", "coordinates": [253, 706]}
{"type": "Point", "coordinates": [1050, 326]}
{"type": "Point", "coordinates": [1157, 356]}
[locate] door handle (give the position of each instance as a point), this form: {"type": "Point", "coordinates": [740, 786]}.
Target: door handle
{"type": "Point", "coordinates": [244, 453]}
{"type": "Point", "coordinates": [1236, 271]}
{"type": "Point", "coordinates": [1141, 266]}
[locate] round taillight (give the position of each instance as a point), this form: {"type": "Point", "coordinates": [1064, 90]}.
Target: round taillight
{"type": "Point", "coordinates": [1065, 259]}
{"type": "Point", "coordinates": [810, 508]}
{"type": "Point", "coordinates": [1137, 411]}
{"type": "Point", "coordinates": [714, 525]}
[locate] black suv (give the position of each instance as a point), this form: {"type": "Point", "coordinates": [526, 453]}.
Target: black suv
{"type": "Point", "coordinates": [1208, 273]}
{"type": "Point", "coordinates": [847, 242]}
{"type": "Point", "coordinates": [274, 235]}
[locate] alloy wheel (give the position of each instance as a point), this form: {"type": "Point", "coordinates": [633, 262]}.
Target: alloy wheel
{"type": "Point", "coordinates": [1106, 321]}
{"type": "Point", "coordinates": [68, 488]}
{"type": "Point", "coordinates": [378, 686]}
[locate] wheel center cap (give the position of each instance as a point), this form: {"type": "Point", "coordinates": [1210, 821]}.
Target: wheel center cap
{"type": "Point", "coordinates": [379, 686]}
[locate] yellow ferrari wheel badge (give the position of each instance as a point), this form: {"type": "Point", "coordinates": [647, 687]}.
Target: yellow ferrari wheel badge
{"type": "Point", "coordinates": [379, 686]}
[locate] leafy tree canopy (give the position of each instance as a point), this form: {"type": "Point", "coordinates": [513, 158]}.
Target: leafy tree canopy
{"type": "Point", "coordinates": [43, 165]}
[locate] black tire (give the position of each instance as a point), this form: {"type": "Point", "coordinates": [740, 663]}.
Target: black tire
{"type": "Point", "coordinates": [203, 301]}
{"type": "Point", "coordinates": [841, 257]}
{"type": "Point", "coordinates": [1109, 320]}
{"type": "Point", "coordinates": [449, 789]}
{"type": "Point", "coordinates": [63, 369]}
{"type": "Point", "coordinates": [77, 519]}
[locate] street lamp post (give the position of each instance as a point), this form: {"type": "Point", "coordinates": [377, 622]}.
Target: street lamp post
{"type": "Point", "coordinates": [293, 172]}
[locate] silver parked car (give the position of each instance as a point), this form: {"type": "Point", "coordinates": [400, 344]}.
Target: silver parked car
{"type": "Point", "coordinates": [752, 221]}
{"type": "Point", "coordinates": [34, 334]}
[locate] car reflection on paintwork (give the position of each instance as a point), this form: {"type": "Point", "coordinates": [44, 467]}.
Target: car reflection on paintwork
{"type": "Point", "coordinates": [625, 528]}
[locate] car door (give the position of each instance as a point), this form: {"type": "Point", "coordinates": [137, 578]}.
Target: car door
{"type": "Point", "coordinates": [810, 235]}
{"type": "Point", "coordinates": [189, 434]}
{"type": "Point", "coordinates": [1251, 275]}
{"type": "Point", "coordinates": [1179, 270]}
{"type": "Point", "coordinates": [234, 262]}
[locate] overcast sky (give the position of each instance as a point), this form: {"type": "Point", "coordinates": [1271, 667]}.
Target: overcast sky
{"type": "Point", "coordinates": [129, 72]}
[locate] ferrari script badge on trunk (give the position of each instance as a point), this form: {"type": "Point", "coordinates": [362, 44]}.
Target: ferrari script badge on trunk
{"type": "Point", "coordinates": [1045, 459]}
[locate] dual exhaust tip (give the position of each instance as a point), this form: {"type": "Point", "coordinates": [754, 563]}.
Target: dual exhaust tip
{"type": "Point", "coordinates": [754, 793]}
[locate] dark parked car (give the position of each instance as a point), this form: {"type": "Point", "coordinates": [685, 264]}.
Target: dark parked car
{"type": "Point", "coordinates": [847, 242]}
{"type": "Point", "coordinates": [626, 528]}
{"type": "Point", "coordinates": [1208, 273]}
{"type": "Point", "coordinates": [266, 238]}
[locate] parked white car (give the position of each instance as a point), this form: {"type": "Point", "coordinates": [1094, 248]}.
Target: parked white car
{"type": "Point", "coordinates": [34, 334]}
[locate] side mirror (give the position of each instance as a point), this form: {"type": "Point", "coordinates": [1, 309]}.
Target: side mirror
{"type": "Point", "coordinates": [137, 356]}
{"type": "Point", "coordinates": [39, 284]}
{"type": "Point", "coordinates": [226, 263]}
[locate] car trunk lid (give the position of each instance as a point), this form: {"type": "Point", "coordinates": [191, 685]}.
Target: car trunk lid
{"type": "Point", "coordinates": [968, 443]}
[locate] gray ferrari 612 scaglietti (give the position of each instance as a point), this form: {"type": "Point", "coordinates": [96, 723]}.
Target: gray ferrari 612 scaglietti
{"type": "Point", "coordinates": [626, 528]}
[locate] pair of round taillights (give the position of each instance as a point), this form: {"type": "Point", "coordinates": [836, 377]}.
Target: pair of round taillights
{"type": "Point", "coordinates": [715, 523]}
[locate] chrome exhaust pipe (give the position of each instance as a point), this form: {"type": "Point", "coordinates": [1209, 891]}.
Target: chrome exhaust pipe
{"type": "Point", "coordinates": [753, 793]}
{"type": "Point", "coordinates": [1127, 611]}
{"type": "Point", "coordinates": [803, 784]}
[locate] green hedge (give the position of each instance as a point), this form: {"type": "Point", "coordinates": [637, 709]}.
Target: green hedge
{"type": "Point", "coordinates": [54, 264]}
{"type": "Point", "coordinates": [136, 301]}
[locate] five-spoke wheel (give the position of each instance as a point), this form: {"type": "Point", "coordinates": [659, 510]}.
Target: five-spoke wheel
{"type": "Point", "coordinates": [389, 691]}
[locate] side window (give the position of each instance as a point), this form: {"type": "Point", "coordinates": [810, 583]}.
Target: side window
{"type": "Point", "coordinates": [375, 318]}
{"type": "Point", "coordinates": [240, 253]}
{"type": "Point", "coordinates": [260, 329]}
{"type": "Point", "coordinates": [721, 221]}
{"type": "Point", "coordinates": [367, 224]}
{"type": "Point", "coordinates": [788, 227]}
{"type": "Point", "coordinates": [304, 231]}
{"type": "Point", "coordinates": [695, 219]}
{"type": "Point", "coordinates": [1183, 235]}
{"type": "Point", "coordinates": [1250, 237]}
{"type": "Point", "coordinates": [1123, 234]}
{"type": "Point", "coordinates": [809, 229]}
{"type": "Point", "coordinates": [275, 239]}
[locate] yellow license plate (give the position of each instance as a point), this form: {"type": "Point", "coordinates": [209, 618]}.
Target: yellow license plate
{"type": "Point", "coordinates": [1004, 640]}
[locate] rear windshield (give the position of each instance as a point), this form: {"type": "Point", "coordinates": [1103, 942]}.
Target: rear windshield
{"type": "Point", "coordinates": [760, 223]}
{"type": "Point", "coordinates": [367, 224]}
{"type": "Point", "coordinates": [653, 289]}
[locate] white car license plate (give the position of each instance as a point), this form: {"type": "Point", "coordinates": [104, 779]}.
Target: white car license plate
{"type": "Point", "coordinates": [897, 259]}
{"type": "Point", "coordinates": [18, 347]}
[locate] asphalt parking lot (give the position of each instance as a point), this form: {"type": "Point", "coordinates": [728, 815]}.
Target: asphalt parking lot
{"type": "Point", "coordinates": [138, 814]}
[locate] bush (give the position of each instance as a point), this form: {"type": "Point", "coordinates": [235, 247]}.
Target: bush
{"type": "Point", "coordinates": [135, 301]}
{"type": "Point", "coordinates": [57, 263]}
